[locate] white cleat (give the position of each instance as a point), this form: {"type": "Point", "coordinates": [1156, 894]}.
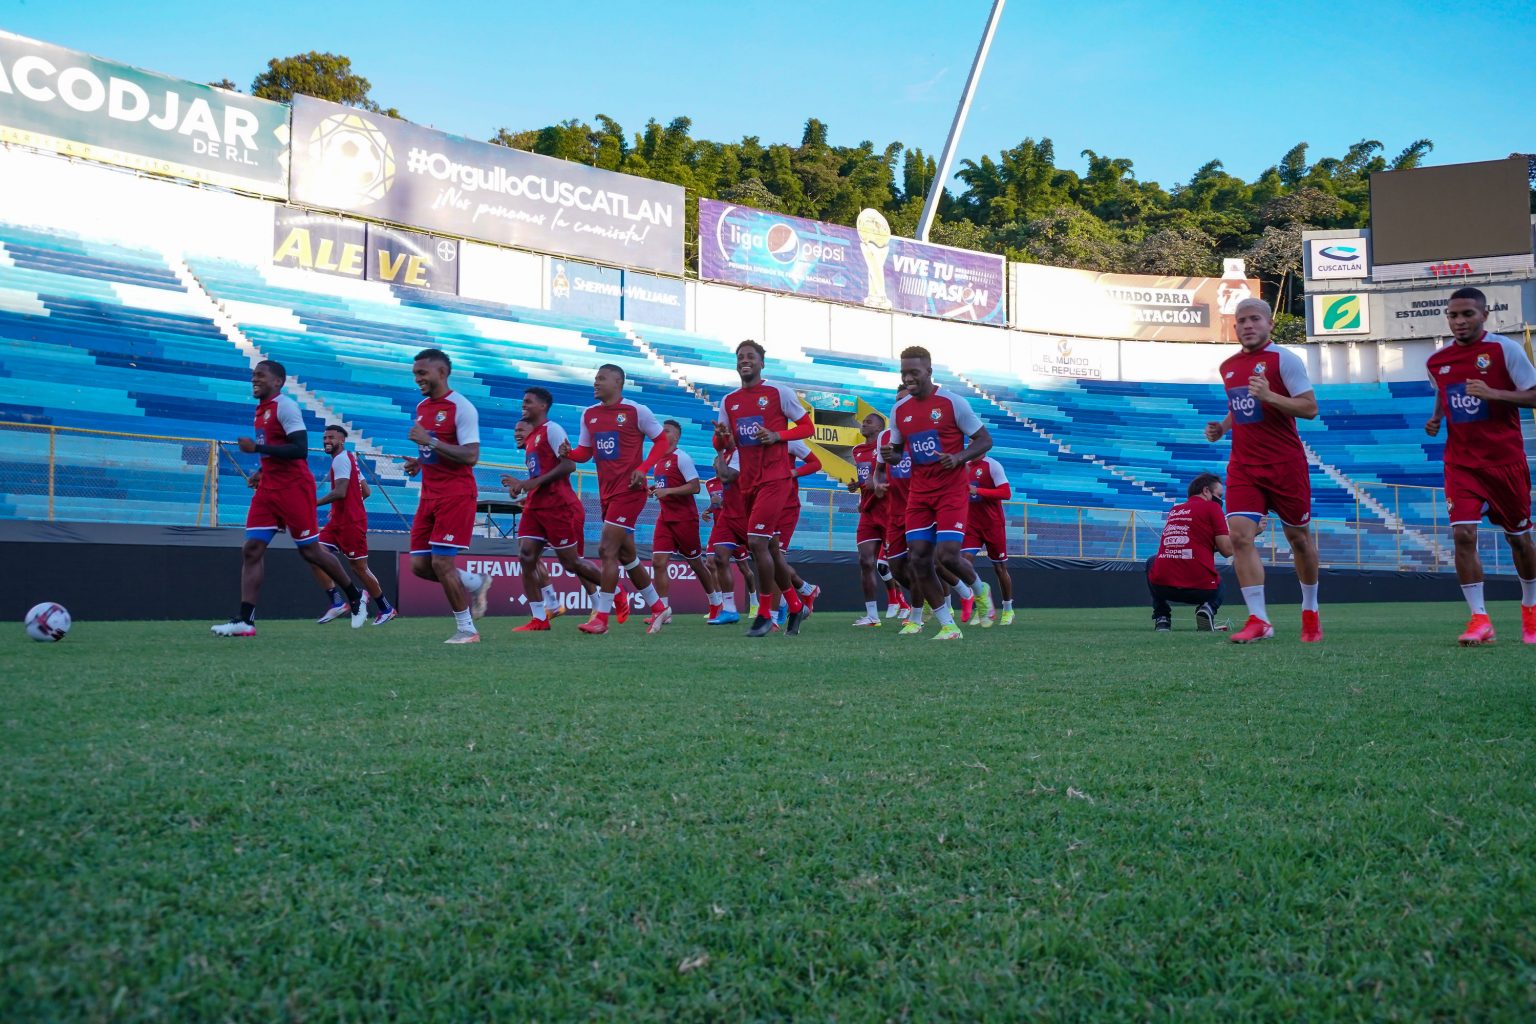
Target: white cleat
{"type": "Point", "coordinates": [462, 637]}
{"type": "Point", "coordinates": [385, 617]}
{"type": "Point", "coordinates": [892, 610]}
{"type": "Point", "coordinates": [234, 627]}
{"type": "Point", "coordinates": [332, 613]}
{"type": "Point", "coordinates": [659, 619]}
{"type": "Point", "coordinates": [360, 617]}
{"type": "Point", "coordinates": [868, 620]}
{"type": "Point", "coordinates": [479, 598]}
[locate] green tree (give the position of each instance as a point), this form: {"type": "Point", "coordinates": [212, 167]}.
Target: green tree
{"type": "Point", "coordinates": [326, 76]}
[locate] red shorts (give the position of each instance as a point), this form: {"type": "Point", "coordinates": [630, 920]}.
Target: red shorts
{"type": "Point", "coordinates": [1504, 491]}
{"type": "Point", "coordinates": [939, 515]}
{"type": "Point", "coordinates": [559, 526]}
{"type": "Point", "coordinates": [872, 528]}
{"type": "Point", "coordinates": [677, 537]}
{"type": "Point", "coordinates": [895, 531]}
{"type": "Point", "coordinates": [285, 508]}
{"type": "Point", "coordinates": [989, 532]}
{"type": "Point", "coordinates": [624, 508]}
{"type": "Point", "coordinates": [443, 521]}
{"type": "Point", "coordinates": [1284, 489]}
{"type": "Point", "coordinates": [729, 531]}
{"type": "Point", "coordinates": [788, 520]}
{"type": "Point", "coordinates": [351, 539]}
{"type": "Point", "coordinates": [766, 506]}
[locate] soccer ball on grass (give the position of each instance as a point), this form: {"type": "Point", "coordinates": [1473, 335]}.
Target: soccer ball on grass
{"type": "Point", "coordinates": [47, 622]}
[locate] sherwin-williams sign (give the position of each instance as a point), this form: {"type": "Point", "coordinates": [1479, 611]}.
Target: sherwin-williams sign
{"type": "Point", "coordinates": [82, 106]}
{"type": "Point", "coordinates": [356, 162]}
{"type": "Point", "coordinates": [864, 266]}
{"type": "Point", "coordinates": [1340, 314]}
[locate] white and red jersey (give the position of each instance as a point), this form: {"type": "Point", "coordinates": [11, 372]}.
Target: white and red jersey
{"type": "Point", "coordinates": [772, 407]}
{"type": "Point", "coordinates": [930, 428]}
{"type": "Point", "coordinates": [674, 471]}
{"type": "Point", "coordinates": [616, 435]}
{"type": "Point", "coordinates": [1481, 433]}
{"type": "Point", "coordinates": [1186, 556]}
{"type": "Point", "coordinates": [452, 420]}
{"type": "Point", "coordinates": [541, 453]}
{"type": "Point", "coordinates": [898, 476]}
{"type": "Point", "coordinates": [276, 418]}
{"type": "Point", "coordinates": [732, 505]}
{"type": "Point", "coordinates": [991, 481]}
{"type": "Point", "coordinates": [349, 509]}
{"type": "Point", "coordinates": [865, 457]}
{"type": "Point", "coordinates": [1261, 434]}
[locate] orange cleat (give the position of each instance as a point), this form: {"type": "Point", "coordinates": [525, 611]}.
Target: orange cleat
{"type": "Point", "coordinates": [1528, 624]}
{"type": "Point", "coordinates": [1253, 630]}
{"type": "Point", "coordinates": [660, 616]}
{"type": "Point", "coordinates": [1311, 628]}
{"type": "Point", "coordinates": [810, 599]}
{"type": "Point", "coordinates": [967, 608]}
{"type": "Point", "coordinates": [533, 626]}
{"type": "Point", "coordinates": [596, 625]}
{"type": "Point", "coordinates": [621, 606]}
{"type": "Point", "coordinates": [1479, 631]}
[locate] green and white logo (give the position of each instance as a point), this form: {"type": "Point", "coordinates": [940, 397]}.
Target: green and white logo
{"type": "Point", "coordinates": [1340, 314]}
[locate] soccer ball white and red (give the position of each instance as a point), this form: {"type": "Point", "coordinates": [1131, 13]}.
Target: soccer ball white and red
{"type": "Point", "coordinates": [48, 622]}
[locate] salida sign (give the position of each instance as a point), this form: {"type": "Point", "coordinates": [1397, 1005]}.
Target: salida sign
{"type": "Point", "coordinates": [347, 248]}
{"type": "Point", "coordinates": [424, 597]}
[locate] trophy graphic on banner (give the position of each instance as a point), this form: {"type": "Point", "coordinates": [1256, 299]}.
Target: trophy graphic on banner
{"type": "Point", "coordinates": [1232, 290]}
{"type": "Point", "coordinates": [875, 242]}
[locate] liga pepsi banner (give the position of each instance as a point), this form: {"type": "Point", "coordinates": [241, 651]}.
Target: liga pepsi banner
{"type": "Point", "coordinates": [358, 162]}
{"type": "Point", "coordinates": [372, 252]}
{"type": "Point", "coordinates": [1134, 307]}
{"type": "Point", "coordinates": [83, 106]}
{"type": "Point", "coordinates": [863, 266]}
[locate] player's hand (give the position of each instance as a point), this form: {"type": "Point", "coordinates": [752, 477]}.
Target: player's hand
{"type": "Point", "coordinates": [254, 480]}
{"type": "Point", "coordinates": [891, 454]}
{"type": "Point", "coordinates": [246, 445]}
{"type": "Point", "coordinates": [418, 435]}
{"type": "Point", "coordinates": [412, 467]}
{"type": "Point", "coordinates": [853, 486]}
{"type": "Point", "coordinates": [950, 460]}
{"type": "Point", "coordinates": [1480, 389]}
{"type": "Point", "coordinates": [565, 449]}
{"type": "Point", "coordinates": [973, 490]}
{"type": "Point", "coordinates": [1432, 426]}
{"type": "Point", "coordinates": [514, 485]}
{"type": "Point", "coordinates": [1258, 387]}
{"type": "Point", "coordinates": [652, 491]}
{"type": "Point", "coordinates": [880, 490]}
{"type": "Point", "coordinates": [764, 435]}
{"type": "Point", "coordinates": [707, 514]}
{"type": "Point", "coordinates": [636, 480]}
{"type": "Point", "coordinates": [1214, 431]}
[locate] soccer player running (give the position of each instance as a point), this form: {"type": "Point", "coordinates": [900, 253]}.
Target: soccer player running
{"type": "Point", "coordinates": [728, 532]}
{"type": "Point", "coordinates": [869, 536]}
{"type": "Point", "coordinates": [896, 476]}
{"type": "Point", "coordinates": [762, 419]}
{"type": "Point", "coordinates": [446, 432]}
{"type": "Point", "coordinates": [1267, 392]}
{"type": "Point", "coordinates": [552, 514]}
{"type": "Point", "coordinates": [614, 432]}
{"type": "Point", "coordinates": [806, 463]}
{"type": "Point", "coordinates": [1482, 381]}
{"type": "Point", "coordinates": [346, 532]}
{"type": "Point", "coordinates": [284, 499]}
{"type": "Point", "coordinates": [677, 527]}
{"type": "Point", "coordinates": [986, 529]}
{"type": "Point", "coordinates": [932, 426]}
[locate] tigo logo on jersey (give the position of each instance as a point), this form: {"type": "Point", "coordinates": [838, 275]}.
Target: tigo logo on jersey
{"type": "Point", "coordinates": [924, 446]}
{"type": "Point", "coordinates": [607, 445]}
{"type": "Point", "coordinates": [1245, 408]}
{"type": "Point", "coordinates": [1464, 408]}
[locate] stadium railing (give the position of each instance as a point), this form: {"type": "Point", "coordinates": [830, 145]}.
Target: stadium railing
{"type": "Point", "coordinates": [71, 474]}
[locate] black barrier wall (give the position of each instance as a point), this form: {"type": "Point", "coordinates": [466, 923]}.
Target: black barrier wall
{"type": "Point", "coordinates": [106, 572]}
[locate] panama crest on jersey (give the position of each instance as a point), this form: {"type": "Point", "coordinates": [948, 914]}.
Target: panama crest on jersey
{"type": "Point", "coordinates": [442, 414]}
{"type": "Point", "coordinates": [1483, 362]}
{"type": "Point", "coordinates": [762, 401]}
{"type": "Point", "coordinates": [935, 415]}
{"type": "Point", "coordinates": [621, 419]}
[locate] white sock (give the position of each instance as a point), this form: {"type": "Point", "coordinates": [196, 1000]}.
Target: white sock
{"type": "Point", "coordinates": [871, 609]}
{"type": "Point", "coordinates": [715, 597]}
{"type": "Point", "coordinates": [1528, 592]}
{"type": "Point", "coordinates": [649, 595]}
{"type": "Point", "coordinates": [916, 618]}
{"type": "Point", "coordinates": [538, 609]}
{"type": "Point", "coordinates": [1309, 597]}
{"type": "Point", "coordinates": [806, 589]}
{"type": "Point", "coordinates": [965, 592]}
{"type": "Point", "coordinates": [602, 601]}
{"type": "Point", "coordinates": [666, 602]}
{"type": "Point", "coordinates": [1253, 597]}
{"type": "Point", "coordinates": [944, 614]}
{"type": "Point", "coordinates": [1473, 592]}
{"type": "Point", "coordinates": [465, 621]}
{"type": "Point", "coordinates": [471, 580]}
{"type": "Point", "coordinates": [1008, 605]}
{"type": "Point", "coordinates": [729, 600]}
{"type": "Point", "coordinates": [550, 597]}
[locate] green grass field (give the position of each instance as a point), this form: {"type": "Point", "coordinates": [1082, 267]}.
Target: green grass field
{"type": "Point", "coordinates": [1073, 819]}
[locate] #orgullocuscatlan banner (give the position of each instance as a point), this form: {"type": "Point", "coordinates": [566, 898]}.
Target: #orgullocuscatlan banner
{"type": "Point", "coordinates": [380, 167]}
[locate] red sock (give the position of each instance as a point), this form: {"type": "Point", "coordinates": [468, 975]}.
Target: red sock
{"type": "Point", "coordinates": [765, 606]}
{"type": "Point", "coordinates": [792, 601]}
{"type": "Point", "coordinates": [891, 595]}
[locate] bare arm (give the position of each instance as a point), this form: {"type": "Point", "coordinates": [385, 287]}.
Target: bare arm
{"type": "Point", "coordinates": [1224, 545]}
{"type": "Point", "coordinates": [981, 443]}
{"type": "Point", "coordinates": [338, 493]}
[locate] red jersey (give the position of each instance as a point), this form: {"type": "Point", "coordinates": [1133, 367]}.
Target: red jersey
{"type": "Point", "coordinates": [616, 435]}
{"type": "Point", "coordinates": [1187, 555]}
{"type": "Point", "coordinates": [772, 407]}
{"type": "Point", "coordinates": [898, 477]}
{"type": "Point", "coordinates": [452, 420]}
{"type": "Point", "coordinates": [276, 418]}
{"type": "Point", "coordinates": [931, 427]}
{"type": "Point", "coordinates": [865, 456]}
{"type": "Point", "coordinates": [732, 500]}
{"type": "Point", "coordinates": [987, 474]}
{"type": "Point", "coordinates": [1262, 435]}
{"type": "Point", "coordinates": [541, 453]}
{"type": "Point", "coordinates": [1481, 433]}
{"type": "Point", "coordinates": [674, 471]}
{"type": "Point", "coordinates": [348, 510]}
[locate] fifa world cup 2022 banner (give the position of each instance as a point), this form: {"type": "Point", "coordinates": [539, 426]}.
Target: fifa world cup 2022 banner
{"type": "Point", "coordinates": [864, 265]}
{"type": "Point", "coordinates": [82, 106]}
{"type": "Point", "coordinates": [1135, 307]}
{"type": "Point", "coordinates": [357, 162]}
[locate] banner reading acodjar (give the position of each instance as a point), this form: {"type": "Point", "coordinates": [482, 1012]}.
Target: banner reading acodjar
{"type": "Point", "coordinates": [865, 265]}
{"type": "Point", "coordinates": [1058, 300]}
{"type": "Point", "coordinates": [393, 170]}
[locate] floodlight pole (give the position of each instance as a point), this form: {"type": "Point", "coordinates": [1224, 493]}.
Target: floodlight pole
{"type": "Point", "coordinates": [936, 189]}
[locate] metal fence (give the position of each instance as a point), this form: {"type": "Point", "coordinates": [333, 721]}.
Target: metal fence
{"type": "Point", "coordinates": [67, 474]}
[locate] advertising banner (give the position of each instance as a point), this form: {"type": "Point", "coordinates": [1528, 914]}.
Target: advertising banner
{"type": "Point", "coordinates": [425, 597]}
{"type": "Point", "coordinates": [348, 248]}
{"type": "Point", "coordinates": [1332, 258]}
{"type": "Point", "coordinates": [579, 289]}
{"type": "Point", "coordinates": [1137, 307]}
{"type": "Point", "coordinates": [1343, 313]}
{"type": "Point", "coordinates": [1420, 313]}
{"type": "Point", "coordinates": [865, 266]}
{"type": "Point", "coordinates": [82, 106]}
{"type": "Point", "coordinates": [648, 299]}
{"type": "Point", "coordinates": [358, 162]}
{"type": "Point", "coordinates": [1085, 358]}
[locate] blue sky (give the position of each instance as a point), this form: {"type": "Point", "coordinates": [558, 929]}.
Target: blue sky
{"type": "Point", "coordinates": [1169, 85]}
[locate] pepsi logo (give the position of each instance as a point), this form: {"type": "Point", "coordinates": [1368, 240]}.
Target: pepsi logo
{"type": "Point", "coordinates": [782, 243]}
